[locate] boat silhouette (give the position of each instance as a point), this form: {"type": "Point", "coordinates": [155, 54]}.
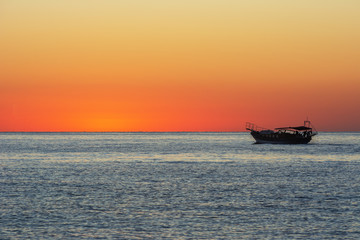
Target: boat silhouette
{"type": "Point", "coordinates": [283, 135]}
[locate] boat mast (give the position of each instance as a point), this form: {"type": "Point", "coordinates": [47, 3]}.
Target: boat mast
{"type": "Point", "coordinates": [307, 123]}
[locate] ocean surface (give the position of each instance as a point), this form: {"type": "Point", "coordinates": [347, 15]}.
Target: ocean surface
{"type": "Point", "coordinates": [177, 186]}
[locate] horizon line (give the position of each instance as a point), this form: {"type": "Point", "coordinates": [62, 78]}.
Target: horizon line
{"type": "Point", "coordinates": [147, 131]}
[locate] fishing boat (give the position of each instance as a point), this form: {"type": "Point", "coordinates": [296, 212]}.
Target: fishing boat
{"type": "Point", "coordinates": [283, 135]}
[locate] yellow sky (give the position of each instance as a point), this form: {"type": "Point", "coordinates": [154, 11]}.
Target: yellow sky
{"type": "Point", "coordinates": [208, 54]}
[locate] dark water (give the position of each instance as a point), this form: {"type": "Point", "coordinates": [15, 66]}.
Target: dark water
{"type": "Point", "coordinates": [178, 186]}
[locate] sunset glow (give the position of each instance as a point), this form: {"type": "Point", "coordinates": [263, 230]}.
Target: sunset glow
{"type": "Point", "coordinates": [162, 65]}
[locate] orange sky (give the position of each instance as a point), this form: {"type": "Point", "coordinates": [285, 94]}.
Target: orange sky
{"type": "Point", "coordinates": [190, 65]}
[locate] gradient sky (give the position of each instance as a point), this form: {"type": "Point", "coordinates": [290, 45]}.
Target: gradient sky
{"type": "Point", "coordinates": [190, 65]}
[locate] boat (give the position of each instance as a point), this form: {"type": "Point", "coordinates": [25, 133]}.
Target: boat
{"type": "Point", "coordinates": [283, 135]}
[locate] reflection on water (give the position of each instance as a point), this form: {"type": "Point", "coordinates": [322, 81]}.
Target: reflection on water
{"type": "Point", "coordinates": [178, 185]}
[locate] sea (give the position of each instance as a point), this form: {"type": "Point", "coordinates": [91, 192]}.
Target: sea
{"type": "Point", "coordinates": [178, 186]}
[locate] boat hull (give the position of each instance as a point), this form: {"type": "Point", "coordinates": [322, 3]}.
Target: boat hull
{"type": "Point", "coordinates": [280, 138]}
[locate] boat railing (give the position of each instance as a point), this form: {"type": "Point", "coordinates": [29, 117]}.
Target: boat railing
{"type": "Point", "coordinates": [252, 127]}
{"type": "Point", "coordinates": [308, 124]}
{"type": "Point", "coordinates": [314, 131]}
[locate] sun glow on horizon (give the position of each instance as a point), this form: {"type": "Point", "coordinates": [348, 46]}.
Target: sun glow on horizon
{"type": "Point", "coordinates": [178, 66]}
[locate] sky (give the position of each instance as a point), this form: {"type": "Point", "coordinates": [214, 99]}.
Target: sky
{"type": "Point", "coordinates": [190, 65]}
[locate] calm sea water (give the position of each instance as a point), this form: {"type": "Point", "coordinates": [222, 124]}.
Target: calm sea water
{"type": "Point", "coordinates": [177, 186]}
